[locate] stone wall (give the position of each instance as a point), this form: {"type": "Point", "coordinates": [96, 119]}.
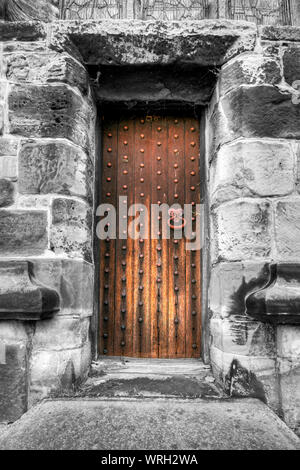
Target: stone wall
{"type": "Point", "coordinates": [253, 160]}
{"type": "Point", "coordinates": [47, 172]}
{"type": "Point", "coordinates": [46, 205]}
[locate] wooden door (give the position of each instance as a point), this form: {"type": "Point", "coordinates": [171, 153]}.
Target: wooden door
{"type": "Point", "coordinates": [150, 297]}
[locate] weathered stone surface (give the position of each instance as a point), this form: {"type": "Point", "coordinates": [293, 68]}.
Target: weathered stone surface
{"type": "Point", "coordinates": [8, 146]}
{"type": "Point", "coordinates": [288, 341]}
{"type": "Point", "coordinates": [291, 64]}
{"type": "Point", "coordinates": [21, 31]}
{"type": "Point", "coordinates": [1, 119]}
{"type": "Point", "coordinates": [114, 377]}
{"type": "Point", "coordinates": [230, 283]}
{"type": "Point", "coordinates": [252, 168]}
{"type": "Point", "coordinates": [13, 371]}
{"type": "Point", "coordinates": [72, 279]}
{"type": "Point", "coordinates": [61, 333]}
{"type": "Point", "coordinates": [249, 70]}
{"type": "Point", "coordinates": [242, 336]}
{"type": "Point", "coordinates": [9, 168]}
{"type": "Point", "coordinates": [298, 168]}
{"type": "Point", "coordinates": [25, 10]}
{"type": "Point", "coordinates": [21, 297]}
{"type": "Point", "coordinates": [134, 42]}
{"type": "Point", "coordinates": [23, 232]}
{"type": "Point", "coordinates": [270, 48]}
{"type": "Point", "coordinates": [2, 10]}
{"type": "Point", "coordinates": [6, 192]}
{"type": "Point", "coordinates": [57, 370]}
{"type": "Point", "coordinates": [8, 160]}
{"type": "Point", "coordinates": [256, 111]}
{"type": "Point", "coordinates": [54, 167]}
{"type": "Point", "coordinates": [168, 83]}
{"type": "Point", "coordinates": [71, 230]}
{"type": "Point", "coordinates": [261, 111]}
{"type": "Point", "coordinates": [247, 376]}
{"type": "Point", "coordinates": [289, 371]}
{"type": "Point", "coordinates": [280, 33]}
{"type": "Point", "coordinates": [44, 66]}
{"type": "Point", "coordinates": [50, 111]}
{"type": "Point", "coordinates": [137, 424]}
{"type": "Point", "coordinates": [242, 230]}
{"type": "Point", "coordinates": [278, 302]}
{"type": "Point", "coordinates": [287, 229]}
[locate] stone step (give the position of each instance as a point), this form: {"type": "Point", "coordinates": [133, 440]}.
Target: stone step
{"type": "Point", "coordinates": [126, 377]}
{"type": "Point", "coordinates": [150, 424]}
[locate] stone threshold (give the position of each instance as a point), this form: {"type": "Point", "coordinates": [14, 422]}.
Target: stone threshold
{"type": "Point", "coordinates": [147, 378]}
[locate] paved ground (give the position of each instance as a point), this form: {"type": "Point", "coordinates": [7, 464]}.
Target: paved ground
{"type": "Point", "coordinates": [149, 424]}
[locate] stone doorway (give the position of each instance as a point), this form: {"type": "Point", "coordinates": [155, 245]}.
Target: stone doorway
{"type": "Point", "coordinates": [150, 295]}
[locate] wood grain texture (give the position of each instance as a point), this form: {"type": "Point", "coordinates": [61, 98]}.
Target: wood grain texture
{"type": "Point", "coordinates": [150, 299]}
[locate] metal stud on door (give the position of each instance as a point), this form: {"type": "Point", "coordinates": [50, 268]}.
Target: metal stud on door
{"type": "Point", "coordinates": [150, 295]}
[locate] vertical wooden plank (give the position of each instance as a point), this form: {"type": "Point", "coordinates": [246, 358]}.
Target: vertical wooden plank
{"type": "Point", "coordinates": [124, 256]}
{"type": "Point", "coordinates": [193, 281]}
{"type": "Point", "coordinates": [144, 196]}
{"type": "Point", "coordinates": [172, 343]}
{"type": "Point", "coordinates": [107, 247]}
{"type": "Point", "coordinates": [176, 247]}
{"type": "Point", "coordinates": [159, 247]}
{"type": "Point", "coordinates": [143, 173]}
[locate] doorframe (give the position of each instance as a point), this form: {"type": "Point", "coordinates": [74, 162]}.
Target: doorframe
{"type": "Point", "coordinates": [205, 252]}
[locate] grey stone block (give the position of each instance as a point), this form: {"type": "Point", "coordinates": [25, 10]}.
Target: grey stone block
{"type": "Point", "coordinates": [242, 230]}
{"type": "Point", "coordinates": [291, 63]}
{"type": "Point", "coordinates": [244, 337]}
{"type": "Point", "coordinates": [71, 230]}
{"type": "Point", "coordinates": [13, 383]}
{"type": "Point", "coordinates": [21, 31]}
{"type": "Point", "coordinates": [13, 370]}
{"type": "Point", "coordinates": [278, 33]}
{"type": "Point", "coordinates": [42, 65]}
{"type": "Point", "coordinates": [257, 111]}
{"type": "Point", "coordinates": [252, 168]}
{"type": "Point", "coordinates": [287, 229]}
{"type": "Point", "coordinates": [23, 232]}
{"type": "Point", "coordinates": [8, 146]}
{"type": "Point", "coordinates": [249, 69]}
{"type": "Point", "coordinates": [50, 111]}
{"type": "Point", "coordinates": [9, 168]}
{"type": "Point", "coordinates": [72, 279]}
{"type": "Point", "coordinates": [54, 167]}
{"type": "Point", "coordinates": [6, 192]}
{"type": "Point", "coordinates": [21, 297]}
{"type": "Point", "coordinates": [230, 283]}
{"type": "Point", "coordinates": [1, 119]}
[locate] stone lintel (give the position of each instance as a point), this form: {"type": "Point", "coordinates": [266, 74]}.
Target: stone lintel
{"type": "Point", "coordinates": [135, 42]}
